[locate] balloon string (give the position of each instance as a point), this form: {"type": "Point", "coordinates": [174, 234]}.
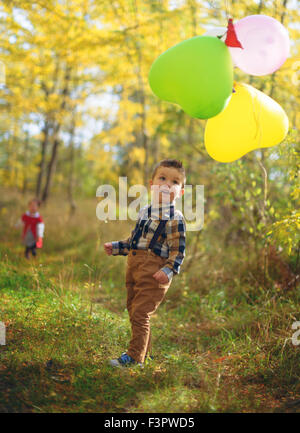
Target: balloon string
{"type": "Point", "coordinates": [257, 115]}
{"type": "Point", "coordinates": [259, 120]}
{"type": "Point", "coordinates": [227, 10]}
{"type": "Point", "coordinates": [219, 9]}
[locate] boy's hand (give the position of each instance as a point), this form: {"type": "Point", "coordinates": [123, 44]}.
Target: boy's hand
{"type": "Point", "coordinates": [108, 248]}
{"type": "Point", "coordinates": [39, 243]}
{"type": "Point", "coordinates": [161, 277]}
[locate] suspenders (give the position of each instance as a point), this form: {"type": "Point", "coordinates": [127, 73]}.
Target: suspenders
{"type": "Point", "coordinates": [157, 232]}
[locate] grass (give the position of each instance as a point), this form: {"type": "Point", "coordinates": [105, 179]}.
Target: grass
{"type": "Point", "coordinates": [222, 342]}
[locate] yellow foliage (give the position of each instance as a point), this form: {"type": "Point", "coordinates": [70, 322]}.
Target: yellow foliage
{"type": "Point", "coordinates": [57, 55]}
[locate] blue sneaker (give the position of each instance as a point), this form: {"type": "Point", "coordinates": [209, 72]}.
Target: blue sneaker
{"type": "Point", "coordinates": [124, 361]}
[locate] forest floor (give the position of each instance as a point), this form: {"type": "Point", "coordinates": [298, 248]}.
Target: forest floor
{"type": "Point", "coordinates": [221, 342]}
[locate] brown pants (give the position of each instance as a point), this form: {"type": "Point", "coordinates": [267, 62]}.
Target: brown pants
{"type": "Point", "coordinates": [144, 294]}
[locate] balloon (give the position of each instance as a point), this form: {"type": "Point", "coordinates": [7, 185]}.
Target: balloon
{"type": "Point", "coordinates": [251, 120]}
{"type": "Point", "coordinates": [265, 45]}
{"type": "Point", "coordinates": [196, 74]}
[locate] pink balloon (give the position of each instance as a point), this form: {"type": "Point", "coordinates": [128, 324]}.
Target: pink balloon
{"type": "Point", "coordinates": [265, 45]}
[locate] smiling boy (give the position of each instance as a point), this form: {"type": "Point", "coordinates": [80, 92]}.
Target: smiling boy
{"type": "Point", "coordinates": [155, 250]}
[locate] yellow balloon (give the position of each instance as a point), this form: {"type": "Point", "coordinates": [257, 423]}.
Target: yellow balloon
{"type": "Point", "coordinates": [251, 120]}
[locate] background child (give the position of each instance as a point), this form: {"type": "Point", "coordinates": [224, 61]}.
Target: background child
{"type": "Point", "coordinates": [155, 249]}
{"type": "Point", "coordinates": [33, 228]}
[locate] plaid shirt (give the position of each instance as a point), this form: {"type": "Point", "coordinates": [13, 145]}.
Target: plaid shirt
{"type": "Point", "coordinates": [171, 242]}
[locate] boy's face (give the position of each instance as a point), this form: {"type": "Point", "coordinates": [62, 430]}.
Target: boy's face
{"type": "Point", "coordinates": [33, 206]}
{"type": "Point", "coordinates": [168, 181]}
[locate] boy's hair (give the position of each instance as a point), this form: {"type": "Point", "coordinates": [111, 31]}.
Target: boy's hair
{"type": "Point", "coordinates": [36, 200]}
{"type": "Point", "coordinates": [170, 163]}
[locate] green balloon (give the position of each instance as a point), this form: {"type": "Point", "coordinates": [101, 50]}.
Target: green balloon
{"type": "Point", "coordinates": [196, 74]}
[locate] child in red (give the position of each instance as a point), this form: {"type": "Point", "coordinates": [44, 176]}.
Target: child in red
{"type": "Point", "coordinates": [33, 228]}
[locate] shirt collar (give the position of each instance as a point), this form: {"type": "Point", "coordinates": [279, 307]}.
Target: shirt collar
{"type": "Point", "coordinates": [163, 206]}
{"type": "Point", "coordinates": [33, 215]}
{"type": "Point", "coordinates": [162, 211]}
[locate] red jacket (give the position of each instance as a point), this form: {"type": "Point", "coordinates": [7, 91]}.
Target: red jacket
{"type": "Point", "coordinates": [31, 221]}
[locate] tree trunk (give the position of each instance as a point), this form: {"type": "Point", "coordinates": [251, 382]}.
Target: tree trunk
{"type": "Point", "coordinates": [42, 165]}
{"type": "Point", "coordinates": [142, 100]}
{"type": "Point", "coordinates": [51, 167]}
{"type": "Point", "coordinates": [57, 128]}
{"type": "Point", "coordinates": [25, 164]}
{"type": "Point", "coordinates": [282, 17]}
{"type": "Point", "coordinates": [72, 167]}
{"type": "Point", "coordinates": [193, 10]}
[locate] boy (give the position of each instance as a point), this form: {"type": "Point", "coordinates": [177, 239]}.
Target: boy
{"type": "Point", "coordinates": [155, 250]}
{"type": "Point", "coordinates": [33, 228]}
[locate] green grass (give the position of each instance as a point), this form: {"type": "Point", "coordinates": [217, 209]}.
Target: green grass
{"type": "Point", "coordinates": [222, 342]}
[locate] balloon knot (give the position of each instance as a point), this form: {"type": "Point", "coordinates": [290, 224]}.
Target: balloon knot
{"type": "Point", "coordinates": [231, 38]}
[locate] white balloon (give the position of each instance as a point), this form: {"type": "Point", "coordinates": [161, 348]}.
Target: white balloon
{"type": "Point", "coordinates": [217, 31]}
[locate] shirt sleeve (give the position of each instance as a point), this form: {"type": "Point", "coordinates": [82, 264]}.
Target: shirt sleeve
{"type": "Point", "coordinates": [40, 230]}
{"type": "Point", "coordinates": [40, 227]}
{"type": "Point", "coordinates": [122, 247]}
{"type": "Point", "coordinates": [175, 231]}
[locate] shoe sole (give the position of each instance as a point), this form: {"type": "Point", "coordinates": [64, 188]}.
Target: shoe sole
{"type": "Point", "coordinates": [118, 365]}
